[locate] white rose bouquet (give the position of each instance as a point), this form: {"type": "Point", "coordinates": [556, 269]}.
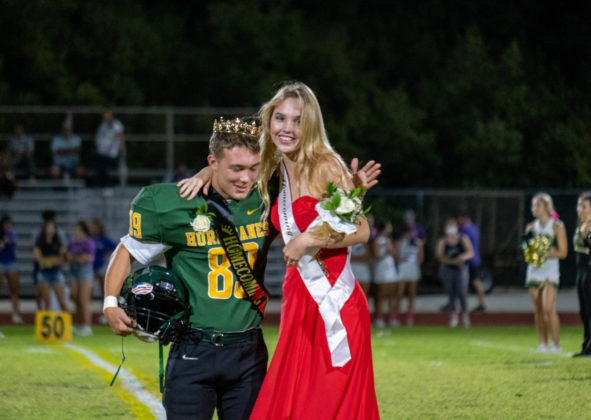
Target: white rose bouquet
{"type": "Point", "coordinates": [339, 212]}
{"type": "Point", "coordinates": [203, 219]}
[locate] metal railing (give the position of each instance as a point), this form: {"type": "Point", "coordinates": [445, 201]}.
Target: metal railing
{"type": "Point", "coordinates": [156, 138]}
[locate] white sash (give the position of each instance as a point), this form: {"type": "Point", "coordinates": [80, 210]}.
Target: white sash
{"type": "Point", "coordinates": [330, 299]}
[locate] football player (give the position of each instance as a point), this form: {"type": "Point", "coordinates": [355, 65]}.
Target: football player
{"type": "Point", "coordinates": [221, 360]}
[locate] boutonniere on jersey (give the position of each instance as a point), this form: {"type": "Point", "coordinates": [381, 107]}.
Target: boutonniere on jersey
{"type": "Point", "coordinates": [203, 219]}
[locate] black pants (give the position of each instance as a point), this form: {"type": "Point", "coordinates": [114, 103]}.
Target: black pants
{"type": "Point", "coordinates": [584, 293]}
{"type": "Point", "coordinates": [202, 376]}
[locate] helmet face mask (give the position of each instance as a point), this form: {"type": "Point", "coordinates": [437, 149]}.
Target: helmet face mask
{"type": "Point", "coordinates": [157, 299]}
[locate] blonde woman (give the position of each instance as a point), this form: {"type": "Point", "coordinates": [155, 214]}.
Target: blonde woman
{"type": "Point", "coordinates": [322, 363]}
{"type": "Point", "coordinates": [543, 280]}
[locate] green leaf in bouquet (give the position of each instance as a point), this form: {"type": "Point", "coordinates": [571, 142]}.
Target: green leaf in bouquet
{"type": "Point", "coordinates": [327, 205]}
{"type": "Point", "coordinates": [354, 192]}
{"type": "Point", "coordinates": [331, 188]}
{"type": "Point", "coordinates": [336, 200]}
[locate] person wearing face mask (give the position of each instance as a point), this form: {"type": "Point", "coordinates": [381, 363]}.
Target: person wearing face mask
{"type": "Point", "coordinates": [542, 278]}
{"type": "Point", "coordinates": [582, 247]}
{"type": "Point", "coordinates": [452, 251]}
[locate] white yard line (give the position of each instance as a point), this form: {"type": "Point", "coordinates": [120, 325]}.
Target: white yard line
{"type": "Point", "coordinates": [130, 382]}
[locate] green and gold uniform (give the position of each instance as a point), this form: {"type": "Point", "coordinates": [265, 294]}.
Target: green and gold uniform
{"type": "Point", "coordinates": [159, 215]}
{"type": "Point", "coordinates": [221, 362]}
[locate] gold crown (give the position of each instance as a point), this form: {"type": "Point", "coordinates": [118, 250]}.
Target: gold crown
{"type": "Point", "coordinates": [237, 126]}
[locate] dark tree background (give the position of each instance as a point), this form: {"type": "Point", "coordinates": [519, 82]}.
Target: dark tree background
{"type": "Point", "coordinates": [454, 94]}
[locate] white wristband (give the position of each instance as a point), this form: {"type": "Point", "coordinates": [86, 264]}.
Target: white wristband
{"type": "Point", "coordinates": [110, 302]}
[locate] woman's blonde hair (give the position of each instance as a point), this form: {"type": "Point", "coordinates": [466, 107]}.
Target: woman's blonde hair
{"type": "Point", "coordinates": [313, 146]}
{"type": "Point", "coordinates": [546, 200]}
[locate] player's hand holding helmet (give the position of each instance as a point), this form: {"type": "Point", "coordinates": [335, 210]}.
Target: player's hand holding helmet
{"type": "Point", "coordinates": [157, 299]}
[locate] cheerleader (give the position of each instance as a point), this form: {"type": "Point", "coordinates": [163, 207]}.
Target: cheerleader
{"type": "Point", "coordinates": [385, 276]}
{"type": "Point", "coordinates": [410, 252]}
{"type": "Point", "coordinates": [542, 277]}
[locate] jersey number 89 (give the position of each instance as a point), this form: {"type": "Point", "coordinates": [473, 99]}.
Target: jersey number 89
{"type": "Point", "coordinates": [221, 278]}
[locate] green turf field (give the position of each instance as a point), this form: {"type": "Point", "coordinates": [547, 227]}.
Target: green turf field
{"type": "Point", "coordinates": [421, 373]}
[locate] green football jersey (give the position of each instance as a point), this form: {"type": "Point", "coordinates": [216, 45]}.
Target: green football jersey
{"type": "Point", "coordinates": [159, 215]}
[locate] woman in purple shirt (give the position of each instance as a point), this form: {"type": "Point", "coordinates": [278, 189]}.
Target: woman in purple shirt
{"type": "Point", "coordinates": [81, 258]}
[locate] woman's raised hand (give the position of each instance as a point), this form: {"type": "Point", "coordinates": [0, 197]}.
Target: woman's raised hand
{"type": "Point", "coordinates": [190, 187]}
{"type": "Point", "coordinates": [366, 176]}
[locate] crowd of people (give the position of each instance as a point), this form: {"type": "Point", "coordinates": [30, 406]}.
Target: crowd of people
{"type": "Point", "coordinates": [17, 161]}
{"type": "Point", "coordinates": [322, 362]}
{"type": "Point", "coordinates": [389, 268]}
{"type": "Point", "coordinates": [65, 265]}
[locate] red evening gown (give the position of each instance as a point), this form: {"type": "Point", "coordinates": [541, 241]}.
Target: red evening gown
{"type": "Point", "coordinates": [301, 382]}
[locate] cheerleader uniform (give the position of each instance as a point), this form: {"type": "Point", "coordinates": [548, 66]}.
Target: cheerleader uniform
{"type": "Point", "coordinates": [549, 271]}
{"type": "Point", "coordinates": [409, 268]}
{"type": "Point", "coordinates": [385, 268]}
{"type": "Point", "coordinates": [361, 270]}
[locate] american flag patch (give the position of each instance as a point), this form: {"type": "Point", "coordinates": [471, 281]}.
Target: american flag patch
{"type": "Point", "coordinates": [142, 288]}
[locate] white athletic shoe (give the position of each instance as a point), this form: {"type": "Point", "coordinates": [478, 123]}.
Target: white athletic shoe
{"type": "Point", "coordinates": [454, 320]}
{"type": "Point", "coordinates": [466, 320]}
{"type": "Point", "coordinates": [542, 348]}
{"type": "Point", "coordinates": [552, 348]}
{"type": "Point", "coordinates": [84, 331]}
{"type": "Point", "coordinates": [1, 335]}
{"type": "Point", "coordinates": [16, 319]}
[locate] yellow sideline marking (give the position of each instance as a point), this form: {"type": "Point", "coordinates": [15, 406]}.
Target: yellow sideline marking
{"type": "Point", "coordinates": [128, 387]}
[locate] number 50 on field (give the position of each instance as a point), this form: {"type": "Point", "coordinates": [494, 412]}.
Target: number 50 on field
{"type": "Point", "coordinates": [53, 327]}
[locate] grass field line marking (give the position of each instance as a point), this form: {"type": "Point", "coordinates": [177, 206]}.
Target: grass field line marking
{"type": "Point", "coordinates": [130, 382]}
{"type": "Point", "coordinates": [519, 349]}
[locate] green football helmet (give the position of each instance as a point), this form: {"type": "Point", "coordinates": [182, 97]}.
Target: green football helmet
{"type": "Point", "coordinates": [158, 301]}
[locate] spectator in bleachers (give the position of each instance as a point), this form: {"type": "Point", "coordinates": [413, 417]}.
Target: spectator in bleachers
{"type": "Point", "coordinates": [81, 258]}
{"type": "Point", "coordinates": [8, 267]}
{"type": "Point", "coordinates": [103, 247]}
{"type": "Point", "coordinates": [66, 149]}
{"type": "Point", "coordinates": [21, 149]}
{"type": "Point", "coordinates": [50, 254]}
{"type": "Point", "coordinates": [8, 184]}
{"type": "Point", "coordinates": [109, 145]}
